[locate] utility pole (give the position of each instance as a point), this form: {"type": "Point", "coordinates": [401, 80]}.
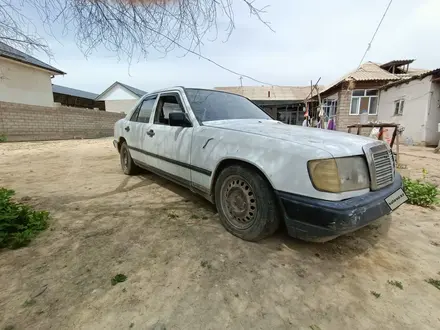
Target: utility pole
{"type": "Point", "coordinates": [241, 85]}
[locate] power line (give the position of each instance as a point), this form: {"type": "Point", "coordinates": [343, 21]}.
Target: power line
{"type": "Point", "coordinates": [223, 67]}
{"type": "Point", "coordinates": [189, 50]}
{"type": "Point", "coordinates": [375, 32]}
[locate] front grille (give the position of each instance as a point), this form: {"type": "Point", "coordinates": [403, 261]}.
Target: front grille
{"type": "Point", "coordinates": [381, 165]}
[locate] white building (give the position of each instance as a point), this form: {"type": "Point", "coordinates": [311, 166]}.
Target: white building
{"type": "Point", "coordinates": [25, 79]}
{"type": "Point", "coordinates": [415, 104]}
{"type": "Point", "coordinates": [120, 97]}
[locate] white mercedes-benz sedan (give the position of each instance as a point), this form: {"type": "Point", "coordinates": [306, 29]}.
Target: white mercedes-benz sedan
{"type": "Point", "coordinates": [259, 171]}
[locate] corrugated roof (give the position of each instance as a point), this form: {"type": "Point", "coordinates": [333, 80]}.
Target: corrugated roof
{"type": "Point", "coordinates": [421, 75]}
{"type": "Point", "coordinates": [371, 71]}
{"type": "Point", "coordinates": [368, 71]}
{"type": "Point", "coordinates": [11, 53]}
{"type": "Point", "coordinates": [134, 90]}
{"type": "Point", "coordinates": [73, 92]}
{"type": "Point", "coordinates": [412, 72]}
{"type": "Point", "coordinates": [397, 63]}
{"type": "Point", "coordinates": [277, 93]}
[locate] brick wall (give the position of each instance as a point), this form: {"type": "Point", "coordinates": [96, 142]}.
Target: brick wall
{"type": "Point", "coordinates": [20, 122]}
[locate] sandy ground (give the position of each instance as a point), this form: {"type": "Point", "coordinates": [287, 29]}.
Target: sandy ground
{"type": "Point", "coordinates": [185, 271]}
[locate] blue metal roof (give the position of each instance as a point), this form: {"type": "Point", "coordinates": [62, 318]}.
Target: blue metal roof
{"type": "Point", "coordinates": [73, 92]}
{"type": "Point", "coordinates": [11, 53]}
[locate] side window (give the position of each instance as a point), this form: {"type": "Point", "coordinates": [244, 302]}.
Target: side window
{"type": "Point", "coordinates": [135, 114]}
{"type": "Point", "coordinates": [166, 105]}
{"type": "Point", "coordinates": [145, 110]}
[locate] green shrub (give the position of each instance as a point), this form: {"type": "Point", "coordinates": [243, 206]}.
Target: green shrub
{"type": "Point", "coordinates": [435, 283]}
{"type": "Point", "coordinates": [3, 138]}
{"type": "Point", "coordinates": [119, 278]}
{"type": "Point", "coordinates": [19, 223]}
{"type": "Point", "coordinates": [420, 192]}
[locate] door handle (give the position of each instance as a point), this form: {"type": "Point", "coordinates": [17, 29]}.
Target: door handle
{"type": "Point", "coordinates": [127, 129]}
{"type": "Point", "coordinates": [150, 133]}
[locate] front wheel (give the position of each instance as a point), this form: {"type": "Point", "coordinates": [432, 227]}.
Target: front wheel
{"type": "Point", "coordinates": [246, 203]}
{"type": "Point", "coordinates": [127, 163]}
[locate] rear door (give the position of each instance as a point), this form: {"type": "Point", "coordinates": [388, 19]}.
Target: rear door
{"type": "Point", "coordinates": [136, 129]}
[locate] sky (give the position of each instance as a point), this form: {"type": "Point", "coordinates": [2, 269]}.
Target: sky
{"type": "Point", "coordinates": [312, 39]}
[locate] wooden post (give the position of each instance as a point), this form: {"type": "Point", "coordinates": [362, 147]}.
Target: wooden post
{"type": "Point", "coordinates": [395, 133]}
{"type": "Point", "coordinates": [321, 118]}
{"type": "Point", "coordinates": [359, 130]}
{"type": "Point", "coordinates": [437, 150]}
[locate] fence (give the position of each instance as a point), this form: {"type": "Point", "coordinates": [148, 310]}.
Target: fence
{"type": "Point", "coordinates": [22, 122]}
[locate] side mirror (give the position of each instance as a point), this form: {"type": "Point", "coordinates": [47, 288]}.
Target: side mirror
{"type": "Point", "coordinates": [179, 119]}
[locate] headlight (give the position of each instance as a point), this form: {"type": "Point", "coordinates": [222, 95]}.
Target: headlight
{"type": "Point", "coordinates": [339, 174]}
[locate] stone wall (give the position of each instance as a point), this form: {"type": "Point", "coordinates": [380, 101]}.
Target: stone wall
{"type": "Point", "coordinates": [20, 122]}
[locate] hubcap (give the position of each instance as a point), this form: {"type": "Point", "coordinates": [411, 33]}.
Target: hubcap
{"type": "Point", "coordinates": [238, 202]}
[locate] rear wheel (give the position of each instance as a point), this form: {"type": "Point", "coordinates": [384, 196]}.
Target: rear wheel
{"type": "Point", "coordinates": [246, 203]}
{"type": "Point", "coordinates": [127, 163]}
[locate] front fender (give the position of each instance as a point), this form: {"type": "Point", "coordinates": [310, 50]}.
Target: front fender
{"type": "Point", "coordinates": [284, 163]}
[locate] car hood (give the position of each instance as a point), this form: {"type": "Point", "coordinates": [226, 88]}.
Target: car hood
{"type": "Point", "coordinates": [339, 144]}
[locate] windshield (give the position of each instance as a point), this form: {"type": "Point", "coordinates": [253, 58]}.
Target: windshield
{"type": "Point", "coordinates": [209, 105]}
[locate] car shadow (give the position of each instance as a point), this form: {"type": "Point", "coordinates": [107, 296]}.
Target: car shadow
{"type": "Point", "coordinates": [186, 194]}
{"type": "Point", "coordinates": [345, 247]}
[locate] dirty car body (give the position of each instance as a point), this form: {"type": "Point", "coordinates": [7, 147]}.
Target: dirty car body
{"type": "Point", "coordinates": [259, 171]}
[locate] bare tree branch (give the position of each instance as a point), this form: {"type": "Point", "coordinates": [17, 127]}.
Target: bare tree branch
{"type": "Point", "coordinates": [125, 27]}
{"type": "Point", "coordinates": [18, 31]}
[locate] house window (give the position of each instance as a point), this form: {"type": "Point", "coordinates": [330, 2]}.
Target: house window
{"type": "Point", "coordinates": [398, 107]}
{"type": "Point", "coordinates": [364, 100]}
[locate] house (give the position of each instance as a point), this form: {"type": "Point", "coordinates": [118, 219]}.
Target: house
{"type": "Point", "coordinates": [358, 91]}
{"type": "Point", "coordinates": [72, 97]}
{"type": "Point", "coordinates": [284, 103]}
{"type": "Point", "coordinates": [25, 79]}
{"type": "Point", "coordinates": [120, 97]}
{"type": "Point", "coordinates": [414, 103]}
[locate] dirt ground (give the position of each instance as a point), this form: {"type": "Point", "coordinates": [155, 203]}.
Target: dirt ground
{"type": "Point", "coordinates": [184, 271]}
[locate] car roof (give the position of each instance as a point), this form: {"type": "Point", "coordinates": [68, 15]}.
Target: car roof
{"type": "Point", "coordinates": [182, 89]}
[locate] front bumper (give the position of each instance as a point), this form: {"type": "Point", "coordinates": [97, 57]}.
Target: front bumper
{"type": "Point", "coordinates": [115, 144]}
{"type": "Point", "coordinates": [315, 219]}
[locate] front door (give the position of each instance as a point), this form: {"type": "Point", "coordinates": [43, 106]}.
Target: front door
{"type": "Point", "coordinates": [170, 144]}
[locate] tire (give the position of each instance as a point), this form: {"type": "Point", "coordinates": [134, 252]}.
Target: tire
{"type": "Point", "coordinates": [246, 203]}
{"type": "Point", "coordinates": [127, 164]}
